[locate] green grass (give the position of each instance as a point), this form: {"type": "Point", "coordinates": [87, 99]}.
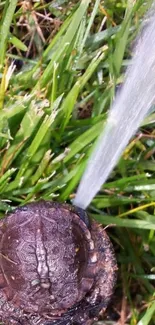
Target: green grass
{"type": "Point", "coordinates": [44, 145]}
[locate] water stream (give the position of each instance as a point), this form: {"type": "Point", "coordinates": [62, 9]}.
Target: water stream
{"type": "Point", "coordinates": [126, 114]}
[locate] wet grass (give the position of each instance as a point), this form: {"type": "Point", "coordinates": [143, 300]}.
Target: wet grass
{"type": "Point", "coordinates": [60, 66]}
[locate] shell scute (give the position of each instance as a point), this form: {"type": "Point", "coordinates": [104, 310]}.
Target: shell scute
{"type": "Point", "coordinates": [54, 266]}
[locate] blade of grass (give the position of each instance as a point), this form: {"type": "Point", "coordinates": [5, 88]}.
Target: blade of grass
{"type": "Point", "coordinates": [28, 125]}
{"type": "Point", "coordinates": [123, 33]}
{"type": "Point", "coordinates": [140, 224]}
{"type": "Point", "coordinates": [39, 172]}
{"type": "Point", "coordinates": [137, 209]}
{"type": "Point", "coordinates": [17, 43]}
{"type": "Point", "coordinates": [104, 202]}
{"type": "Point", "coordinates": [149, 315]}
{"type": "Point", "coordinates": [46, 124]}
{"type": "Point", "coordinates": [7, 175]}
{"type": "Point", "coordinates": [73, 182]}
{"type": "Point", "coordinates": [83, 140]}
{"type": "Point", "coordinates": [5, 27]}
{"type": "Point", "coordinates": [66, 41]}
{"type": "Point", "coordinates": [70, 100]}
{"type": "Point", "coordinates": [93, 14]}
{"type": "Point", "coordinates": [2, 87]}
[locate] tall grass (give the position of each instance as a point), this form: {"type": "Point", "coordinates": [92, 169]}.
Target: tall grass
{"type": "Point", "coordinates": [45, 144]}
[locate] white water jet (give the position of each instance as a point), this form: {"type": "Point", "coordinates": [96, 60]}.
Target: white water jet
{"type": "Point", "coordinates": [128, 111]}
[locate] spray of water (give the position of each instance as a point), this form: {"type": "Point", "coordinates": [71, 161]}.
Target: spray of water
{"type": "Point", "coordinates": [129, 109]}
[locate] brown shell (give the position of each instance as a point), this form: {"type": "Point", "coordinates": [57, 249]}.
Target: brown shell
{"type": "Point", "coordinates": [55, 268]}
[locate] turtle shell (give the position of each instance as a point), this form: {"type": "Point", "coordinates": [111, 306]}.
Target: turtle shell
{"type": "Point", "coordinates": [55, 266]}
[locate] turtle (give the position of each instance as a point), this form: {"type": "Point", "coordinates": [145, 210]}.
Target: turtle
{"type": "Point", "coordinates": [57, 266]}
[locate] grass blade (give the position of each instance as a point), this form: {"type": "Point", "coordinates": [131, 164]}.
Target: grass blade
{"type": "Point", "coordinates": [4, 30]}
